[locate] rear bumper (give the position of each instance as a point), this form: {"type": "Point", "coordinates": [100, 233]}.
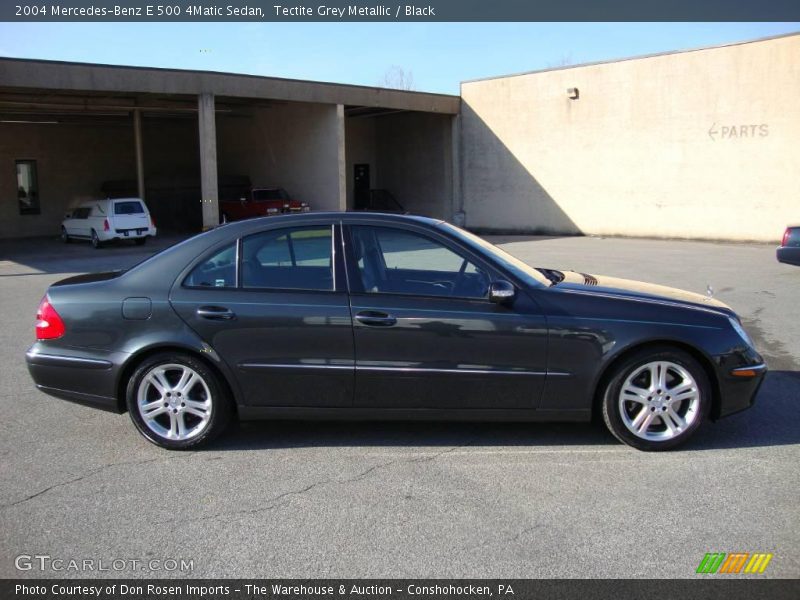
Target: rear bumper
{"type": "Point", "coordinates": [82, 379]}
{"type": "Point", "coordinates": [119, 234]}
{"type": "Point", "coordinates": [789, 255]}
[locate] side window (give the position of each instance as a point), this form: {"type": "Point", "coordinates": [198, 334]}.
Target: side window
{"type": "Point", "coordinates": [218, 271]}
{"type": "Point", "coordinates": [397, 261]}
{"type": "Point", "coordinates": [297, 258]}
{"type": "Point", "coordinates": [81, 213]}
{"type": "Point", "coordinates": [27, 187]}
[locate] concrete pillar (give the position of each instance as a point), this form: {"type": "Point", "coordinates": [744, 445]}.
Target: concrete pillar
{"type": "Point", "coordinates": [340, 154]}
{"type": "Point", "coordinates": [457, 206]}
{"type": "Point", "coordinates": [206, 118]}
{"type": "Point", "coordinates": [137, 139]}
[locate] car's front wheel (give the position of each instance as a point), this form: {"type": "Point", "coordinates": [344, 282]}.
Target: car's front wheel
{"type": "Point", "coordinates": [177, 402]}
{"type": "Point", "coordinates": [656, 398]}
{"type": "Point", "coordinates": [64, 235]}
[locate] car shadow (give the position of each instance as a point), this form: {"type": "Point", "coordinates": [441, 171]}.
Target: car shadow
{"type": "Point", "coordinates": [773, 421]}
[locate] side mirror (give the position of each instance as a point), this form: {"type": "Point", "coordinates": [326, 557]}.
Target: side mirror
{"type": "Point", "coordinates": [501, 291]}
{"type": "Point", "coordinates": [67, 215]}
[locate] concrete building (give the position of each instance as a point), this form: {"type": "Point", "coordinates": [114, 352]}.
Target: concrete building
{"type": "Point", "coordinates": [697, 144]}
{"type": "Point", "coordinates": [72, 132]}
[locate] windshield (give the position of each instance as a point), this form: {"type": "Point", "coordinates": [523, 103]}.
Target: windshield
{"type": "Point", "coordinates": [518, 268]}
{"type": "Point", "coordinates": [271, 194]}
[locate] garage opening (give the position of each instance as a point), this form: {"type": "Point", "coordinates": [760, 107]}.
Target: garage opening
{"type": "Point", "coordinates": [399, 161]}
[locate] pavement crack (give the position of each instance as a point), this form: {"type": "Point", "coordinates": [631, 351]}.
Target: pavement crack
{"type": "Point", "coordinates": [80, 478]}
{"type": "Point", "coordinates": [282, 499]}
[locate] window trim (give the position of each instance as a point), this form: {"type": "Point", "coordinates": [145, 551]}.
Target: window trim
{"type": "Point", "coordinates": [354, 274]}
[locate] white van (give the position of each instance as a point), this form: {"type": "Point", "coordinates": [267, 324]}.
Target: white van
{"type": "Point", "coordinates": [112, 219]}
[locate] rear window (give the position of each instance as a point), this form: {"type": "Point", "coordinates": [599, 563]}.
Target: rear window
{"type": "Point", "coordinates": [133, 207]}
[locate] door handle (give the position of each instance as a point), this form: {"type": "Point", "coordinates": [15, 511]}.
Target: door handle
{"type": "Point", "coordinates": [376, 318]}
{"type": "Point", "coordinates": [215, 313]}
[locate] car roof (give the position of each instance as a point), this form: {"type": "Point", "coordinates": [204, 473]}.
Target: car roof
{"type": "Point", "coordinates": [333, 216]}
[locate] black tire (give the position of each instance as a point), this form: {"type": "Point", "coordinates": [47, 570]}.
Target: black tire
{"type": "Point", "coordinates": [64, 236]}
{"type": "Point", "coordinates": [612, 405]}
{"type": "Point", "coordinates": [221, 407]}
{"type": "Point", "coordinates": [140, 241]}
{"type": "Point", "coordinates": [96, 243]}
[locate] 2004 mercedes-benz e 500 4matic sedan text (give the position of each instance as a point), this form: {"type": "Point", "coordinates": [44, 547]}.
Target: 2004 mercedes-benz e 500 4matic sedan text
{"type": "Point", "coordinates": [374, 316]}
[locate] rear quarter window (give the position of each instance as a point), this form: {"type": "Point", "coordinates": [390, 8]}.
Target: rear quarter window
{"type": "Point", "coordinates": [793, 238]}
{"type": "Point", "coordinates": [218, 271]}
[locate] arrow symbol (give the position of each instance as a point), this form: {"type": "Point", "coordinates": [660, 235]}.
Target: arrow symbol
{"type": "Point", "coordinates": [712, 132]}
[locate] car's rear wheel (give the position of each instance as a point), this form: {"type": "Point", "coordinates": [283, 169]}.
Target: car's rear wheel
{"type": "Point", "coordinates": [177, 402]}
{"type": "Point", "coordinates": [64, 235]}
{"type": "Point", "coordinates": [656, 399]}
{"type": "Point", "coordinates": [96, 243]}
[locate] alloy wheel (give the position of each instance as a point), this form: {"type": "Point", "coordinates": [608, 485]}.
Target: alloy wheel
{"type": "Point", "coordinates": [174, 402]}
{"type": "Point", "coordinates": [659, 400]}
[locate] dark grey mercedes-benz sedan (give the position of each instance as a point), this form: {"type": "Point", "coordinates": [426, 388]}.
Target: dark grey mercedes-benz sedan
{"type": "Point", "coordinates": [378, 316]}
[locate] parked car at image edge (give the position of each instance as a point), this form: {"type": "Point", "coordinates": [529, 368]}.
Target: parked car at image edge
{"type": "Point", "coordinates": [101, 221]}
{"type": "Point", "coordinates": [789, 250]}
{"type": "Point", "coordinates": [378, 316]}
{"type": "Point", "coordinates": [261, 202]}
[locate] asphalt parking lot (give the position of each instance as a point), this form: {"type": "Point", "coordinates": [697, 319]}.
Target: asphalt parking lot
{"type": "Point", "coordinates": [410, 499]}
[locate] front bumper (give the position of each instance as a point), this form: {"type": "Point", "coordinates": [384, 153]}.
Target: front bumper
{"type": "Point", "coordinates": [739, 387]}
{"type": "Point", "coordinates": [86, 380]}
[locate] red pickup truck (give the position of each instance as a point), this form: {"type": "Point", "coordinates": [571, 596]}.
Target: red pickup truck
{"type": "Point", "coordinates": [260, 202]}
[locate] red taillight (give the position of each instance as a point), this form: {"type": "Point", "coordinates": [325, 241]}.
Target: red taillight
{"type": "Point", "coordinates": [105, 225]}
{"type": "Point", "coordinates": [49, 325]}
{"type": "Point", "coordinates": [786, 235]}
{"type": "Point", "coordinates": [152, 222]}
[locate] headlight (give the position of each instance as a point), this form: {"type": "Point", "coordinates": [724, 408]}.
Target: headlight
{"type": "Point", "coordinates": [737, 327]}
{"type": "Point", "coordinates": [272, 211]}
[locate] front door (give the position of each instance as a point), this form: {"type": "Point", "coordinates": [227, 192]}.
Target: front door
{"type": "Point", "coordinates": [275, 308]}
{"type": "Point", "coordinates": [426, 336]}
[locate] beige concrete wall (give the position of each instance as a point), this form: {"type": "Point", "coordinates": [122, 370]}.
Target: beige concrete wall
{"type": "Point", "coordinates": [290, 145]}
{"type": "Point", "coordinates": [414, 157]}
{"type": "Point", "coordinates": [72, 162]}
{"type": "Point", "coordinates": [702, 144]}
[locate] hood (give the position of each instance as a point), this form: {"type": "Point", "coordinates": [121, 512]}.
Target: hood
{"type": "Point", "coordinates": [629, 288]}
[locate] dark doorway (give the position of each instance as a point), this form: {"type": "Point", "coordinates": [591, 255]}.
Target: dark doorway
{"type": "Point", "coordinates": [361, 185]}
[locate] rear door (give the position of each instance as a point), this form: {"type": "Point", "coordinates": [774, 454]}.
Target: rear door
{"type": "Point", "coordinates": [129, 215]}
{"type": "Point", "coordinates": [426, 336]}
{"type": "Point", "coordinates": [274, 305]}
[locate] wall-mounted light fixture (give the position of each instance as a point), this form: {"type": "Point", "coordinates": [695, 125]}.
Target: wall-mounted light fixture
{"type": "Point", "coordinates": [573, 93]}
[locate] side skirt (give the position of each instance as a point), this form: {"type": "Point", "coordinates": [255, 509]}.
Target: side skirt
{"type": "Point", "coordinates": [250, 413]}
